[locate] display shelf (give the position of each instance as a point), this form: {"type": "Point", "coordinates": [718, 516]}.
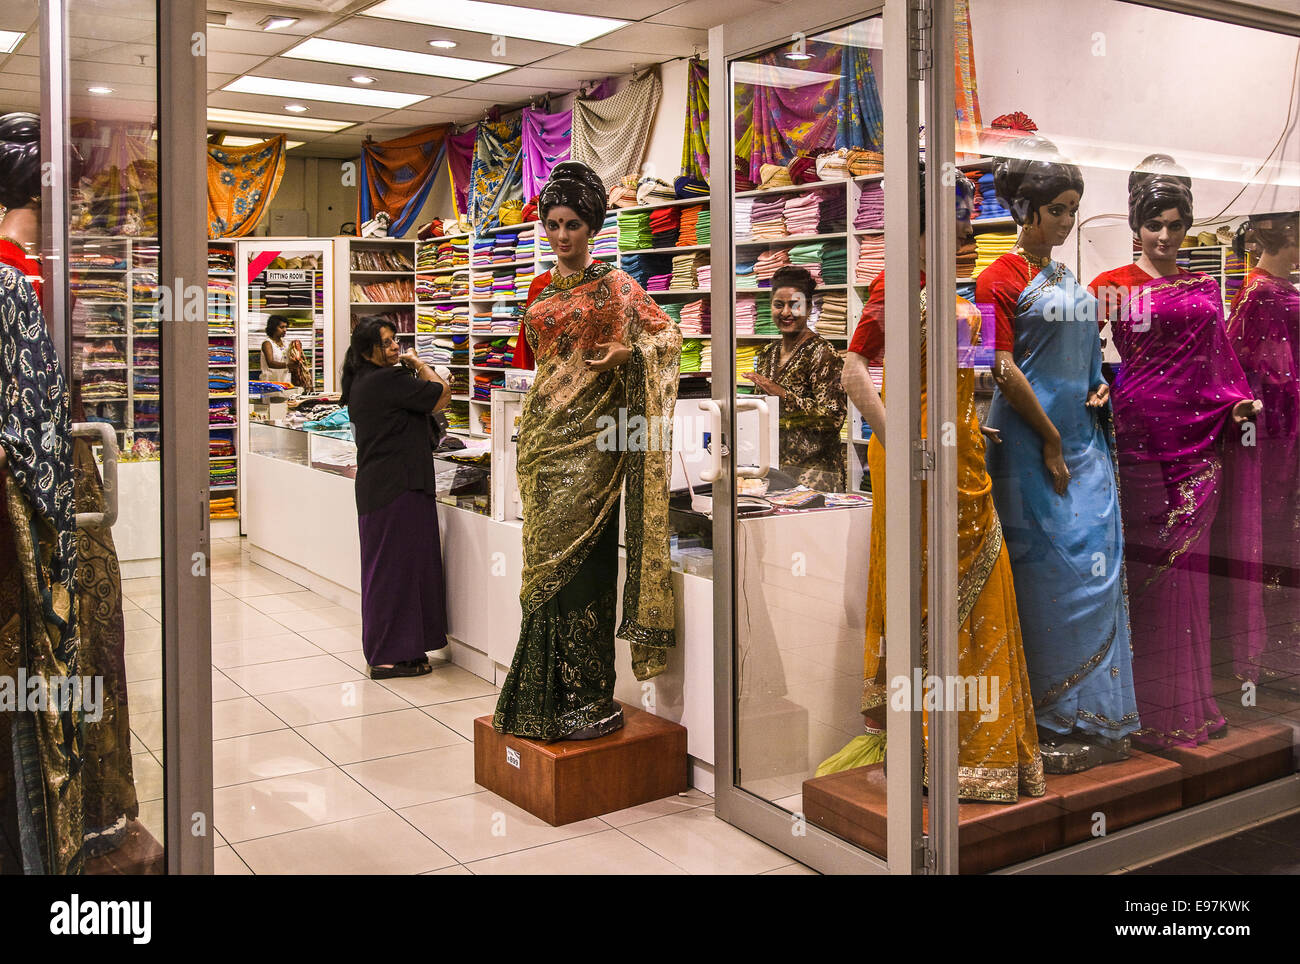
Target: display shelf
{"type": "Point", "coordinates": [680, 202]}
{"type": "Point", "coordinates": [810, 186]}
{"type": "Point", "coordinates": [684, 249]}
{"type": "Point", "coordinates": [791, 239]}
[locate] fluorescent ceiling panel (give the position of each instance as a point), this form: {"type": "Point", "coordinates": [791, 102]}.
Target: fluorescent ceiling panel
{"type": "Point", "coordinates": [248, 118]}
{"type": "Point", "coordinates": [386, 58]}
{"type": "Point", "coordinates": [498, 19]}
{"type": "Point", "coordinates": [367, 97]}
{"type": "Point", "coordinates": [239, 140]}
{"type": "Point", "coordinates": [765, 75]}
{"type": "Point", "coordinates": [9, 39]}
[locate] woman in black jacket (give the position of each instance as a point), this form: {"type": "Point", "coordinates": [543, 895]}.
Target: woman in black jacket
{"type": "Point", "coordinates": [390, 397]}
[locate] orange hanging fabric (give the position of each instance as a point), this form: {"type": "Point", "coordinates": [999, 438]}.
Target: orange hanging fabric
{"type": "Point", "coordinates": [241, 183]}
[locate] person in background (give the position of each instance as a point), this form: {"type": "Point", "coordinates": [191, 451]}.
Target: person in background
{"type": "Point", "coordinates": [275, 359]}
{"type": "Point", "coordinates": [390, 398]}
{"type": "Point", "coordinates": [803, 370]}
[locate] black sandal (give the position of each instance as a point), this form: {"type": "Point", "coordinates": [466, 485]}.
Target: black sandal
{"type": "Point", "coordinates": [402, 670]}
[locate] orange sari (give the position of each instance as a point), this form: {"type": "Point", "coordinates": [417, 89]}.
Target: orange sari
{"type": "Point", "coordinates": [997, 759]}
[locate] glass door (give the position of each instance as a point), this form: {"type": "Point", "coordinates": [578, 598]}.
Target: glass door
{"type": "Point", "coordinates": [88, 769]}
{"type": "Point", "coordinates": [799, 234]}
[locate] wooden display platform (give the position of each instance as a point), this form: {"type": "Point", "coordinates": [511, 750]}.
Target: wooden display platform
{"type": "Point", "coordinates": [851, 804]}
{"type": "Point", "coordinates": [566, 781]}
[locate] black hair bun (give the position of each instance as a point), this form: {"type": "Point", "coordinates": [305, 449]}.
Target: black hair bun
{"type": "Point", "coordinates": [20, 159]}
{"type": "Point", "coordinates": [1033, 176]}
{"type": "Point", "coordinates": [579, 172]}
{"type": "Point", "coordinates": [1158, 165]}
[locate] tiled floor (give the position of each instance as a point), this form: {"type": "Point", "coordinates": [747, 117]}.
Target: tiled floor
{"type": "Point", "coordinates": [317, 769]}
{"type": "Point", "coordinates": [1269, 848]}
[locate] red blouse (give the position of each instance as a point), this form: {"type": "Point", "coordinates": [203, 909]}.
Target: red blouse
{"type": "Point", "coordinates": [1001, 285]}
{"type": "Point", "coordinates": [523, 357]}
{"type": "Point", "coordinates": [14, 256]}
{"type": "Point", "coordinates": [1112, 288]}
{"type": "Point", "coordinates": [869, 337]}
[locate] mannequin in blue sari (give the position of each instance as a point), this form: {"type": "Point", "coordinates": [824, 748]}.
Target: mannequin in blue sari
{"type": "Point", "coordinates": [1054, 475]}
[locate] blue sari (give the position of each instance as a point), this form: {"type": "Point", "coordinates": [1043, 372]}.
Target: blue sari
{"type": "Point", "coordinates": [1066, 551]}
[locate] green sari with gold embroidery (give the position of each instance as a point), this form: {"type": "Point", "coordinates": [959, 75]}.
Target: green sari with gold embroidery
{"type": "Point", "coordinates": [572, 472]}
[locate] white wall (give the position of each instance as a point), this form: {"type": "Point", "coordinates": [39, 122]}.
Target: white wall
{"type": "Point", "coordinates": [1111, 82]}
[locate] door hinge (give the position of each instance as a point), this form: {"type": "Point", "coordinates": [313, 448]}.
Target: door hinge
{"type": "Point", "coordinates": [922, 460]}
{"type": "Point", "coordinates": [925, 858]}
{"type": "Point", "coordinates": [920, 37]}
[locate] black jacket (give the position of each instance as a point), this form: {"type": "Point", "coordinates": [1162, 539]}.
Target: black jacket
{"type": "Point", "coordinates": [390, 410]}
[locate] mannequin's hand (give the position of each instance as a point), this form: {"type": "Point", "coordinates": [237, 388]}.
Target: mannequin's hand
{"type": "Point", "coordinates": [1246, 411]}
{"type": "Point", "coordinates": [768, 386]}
{"type": "Point", "coordinates": [616, 353]}
{"type": "Point", "coordinates": [1056, 468]}
{"type": "Point", "coordinates": [1099, 396]}
{"type": "Point", "coordinates": [992, 434]}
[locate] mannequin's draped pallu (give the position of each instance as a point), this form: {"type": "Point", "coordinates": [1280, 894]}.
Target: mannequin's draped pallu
{"type": "Point", "coordinates": [998, 758]}
{"type": "Point", "coordinates": [571, 473]}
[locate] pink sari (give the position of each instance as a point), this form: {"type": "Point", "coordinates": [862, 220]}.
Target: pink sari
{"type": "Point", "coordinates": [1183, 472]}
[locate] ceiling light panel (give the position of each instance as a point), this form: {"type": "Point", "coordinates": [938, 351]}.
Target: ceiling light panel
{"type": "Point", "coordinates": [9, 40]}
{"type": "Point", "coordinates": [239, 140]}
{"type": "Point", "coordinates": [248, 118]}
{"type": "Point", "coordinates": [498, 19]}
{"type": "Point", "coordinates": [386, 58]}
{"type": "Point", "coordinates": [330, 93]}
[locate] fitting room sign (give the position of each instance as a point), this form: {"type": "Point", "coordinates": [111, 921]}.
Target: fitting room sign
{"type": "Point", "coordinates": [285, 275]}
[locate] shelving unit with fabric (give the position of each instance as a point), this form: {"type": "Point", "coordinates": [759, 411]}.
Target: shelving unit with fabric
{"type": "Point", "coordinates": [223, 450]}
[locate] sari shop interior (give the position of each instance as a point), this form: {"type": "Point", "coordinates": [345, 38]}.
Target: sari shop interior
{"type": "Point", "coordinates": [1127, 518]}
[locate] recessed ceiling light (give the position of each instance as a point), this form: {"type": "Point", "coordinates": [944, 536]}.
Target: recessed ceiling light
{"type": "Point", "coordinates": [100, 90]}
{"type": "Point", "coordinates": [362, 79]}
{"type": "Point", "coordinates": [442, 44]}
{"type": "Point", "coordinates": [249, 118]}
{"type": "Point", "coordinates": [9, 39]}
{"type": "Point", "coordinates": [239, 140]}
{"type": "Point", "coordinates": [276, 23]}
{"type": "Point", "coordinates": [331, 93]}
{"type": "Point", "coordinates": [295, 108]}
{"type": "Point", "coordinates": [500, 19]}
{"type": "Point", "coordinates": [798, 56]}
{"type": "Point", "coordinates": [387, 58]}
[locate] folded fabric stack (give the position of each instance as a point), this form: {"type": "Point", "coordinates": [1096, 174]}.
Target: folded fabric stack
{"type": "Point", "coordinates": [746, 357]}
{"type": "Point", "coordinates": [809, 257]}
{"type": "Point", "coordinates": [504, 318]}
{"type": "Point", "coordinates": [222, 508]}
{"type": "Point", "coordinates": [221, 445]}
{"type": "Point", "coordinates": [217, 384]}
{"type": "Point", "coordinates": [833, 316]}
{"type": "Point", "coordinates": [147, 415]}
{"type": "Point", "coordinates": [505, 248]}
{"type": "Point", "coordinates": [384, 292]}
{"type": "Point", "coordinates": [526, 244]}
{"type": "Point", "coordinates": [871, 207]}
{"type": "Point", "coordinates": [481, 286]}
{"type": "Point", "coordinates": [871, 259]}
{"type": "Point", "coordinates": [695, 318]}
{"type": "Point", "coordinates": [605, 244]}
{"type": "Point", "coordinates": [745, 276]}
{"type": "Point", "coordinates": [865, 162]}
{"type": "Point", "coordinates": [107, 354]}
{"type": "Point", "coordinates": [835, 268]}
{"type": "Point", "coordinates": [634, 230]}
{"type": "Point", "coordinates": [690, 361]}
{"type": "Point", "coordinates": [744, 218]}
{"type": "Point", "coordinates": [98, 257]}
{"type": "Point", "coordinates": [803, 170]}
{"type": "Point", "coordinates": [673, 309]}
{"type": "Point", "coordinates": [764, 323]}
{"type": "Point", "coordinates": [966, 256]}
{"type": "Point", "coordinates": [644, 267]}
{"type": "Point", "coordinates": [221, 354]}
{"type": "Point", "coordinates": [990, 206]}
{"type": "Point", "coordinates": [503, 284]}
{"type": "Point", "coordinates": [483, 385]}
{"type": "Point", "coordinates": [683, 276]}
{"type": "Point", "coordinates": [451, 318]}
{"type": "Point", "coordinates": [833, 166]}
{"type": "Point", "coordinates": [685, 187]}
{"type": "Point", "coordinates": [103, 386]}
{"type": "Point", "coordinates": [485, 421]}
{"type": "Point", "coordinates": [834, 212]}
{"type": "Point", "coordinates": [773, 175]}
{"type": "Point", "coordinates": [703, 273]}
{"type": "Point", "coordinates": [482, 252]}
{"type": "Point", "coordinates": [497, 353]}
{"type": "Point", "coordinates": [145, 352]}
{"type": "Point", "coordinates": [658, 282]}
{"type": "Point", "coordinates": [664, 227]}
{"type": "Point", "coordinates": [222, 475]}
{"type": "Point", "coordinates": [687, 233]}
{"type": "Point", "coordinates": [91, 288]}
{"type": "Point", "coordinates": [426, 346]}
{"type": "Point", "coordinates": [1200, 259]}
{"type": "Point", "coordinates": [767, 265]}
{"type": "Point", "coordinates": [653, 190]}
{"type": "Point", "coordinates": [459, 381]}
{"type": "Point", "coordinates": [364, 259]}
{"type": "Point", "coordinates": [746, 315]}
{"type": "Point", "coordinates": [219, 412]}
{"type": "Point", "coordinates": [457, 414]}
{"type": "Point", "coordinates": [706, 357]}
{"type": "Point", "coordinates": [802, 213]}
{"type": "Point", "coordinates": [989, 247]}
{"type": "Point", "coordinates": [767, 220]}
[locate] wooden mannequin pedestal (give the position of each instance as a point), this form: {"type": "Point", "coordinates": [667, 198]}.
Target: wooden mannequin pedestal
{"type": "Point", "coordinates": [566, 781]}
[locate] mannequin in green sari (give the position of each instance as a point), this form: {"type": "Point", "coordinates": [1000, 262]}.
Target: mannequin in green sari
{"type": "Point", "coordinates": [603, 349]}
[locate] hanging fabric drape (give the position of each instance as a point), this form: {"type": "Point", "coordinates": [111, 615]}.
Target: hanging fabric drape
{"type": "Point", "coordinates": [775, 121]}
{"type": "Point", "coordinates": [966, 91]}
{"type": "Point", "coordinates": [861, 120]}
{"type": "Point", "coordinates": [119, 179]}
{"type": "Point", "coordinates": [241, 183]}
{"type": "Point", "coordinates": [495, 176]}
{"type": "Point", "coordinates": [396, 176]}
{"type": "Point", "coordinates": [460, 159]}
{"type": "Point", "coordinates": [611, 135]}
{"type": "Point", "coordinates": [695, 139]}
{"type": "Point", "coordinates": [547, 140]}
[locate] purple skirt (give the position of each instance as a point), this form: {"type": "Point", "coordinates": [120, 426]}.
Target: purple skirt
{"type": "Point", "coordinates": [403, 595]}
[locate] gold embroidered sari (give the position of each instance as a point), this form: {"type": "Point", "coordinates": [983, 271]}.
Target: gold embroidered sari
{"type": "Point", "coordinates": [584, 438]}
{"type": "Point", "coordinates": [997, 759]}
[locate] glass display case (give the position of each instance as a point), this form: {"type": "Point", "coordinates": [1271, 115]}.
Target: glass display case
{"type": "Point", "coordinates": [326, 451]}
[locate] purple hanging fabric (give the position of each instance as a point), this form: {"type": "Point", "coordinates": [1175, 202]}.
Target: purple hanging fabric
{"type": "Point", "coordinates": [460, 156]}
{"type": "Point", "coordinates": [547, 140]}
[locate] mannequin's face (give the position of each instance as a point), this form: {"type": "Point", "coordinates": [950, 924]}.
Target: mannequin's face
{"type": "Point", "coordinates": [1289, 252]}
{"type": "Point", "coordinates": [567, 232]}
{"type": "Point", "coordinates": [387, 352]}
{"type": "Point", "coordinates": [790, 310]}
{"type": "Point", "coordinates": [1056, 218]}
{"type": "Point", "coordinates": [1162, 235]}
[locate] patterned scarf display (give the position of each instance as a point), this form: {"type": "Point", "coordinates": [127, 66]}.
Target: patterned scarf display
{"type": "Point", "coordinates": [861, 121]}
{"type": "Point", "coordinates": [241, 183]}
{"type": "Point", "coordinates": [119, 193]}
{"type": "Point", "coordinates": [460, 159]}
{"type": "Point", "coordinates": [396, 176]}
{"type": "Point", "coordinates": [495, 176]}
{"type": "Point", "coordinates": [610, 135]}
{"type": "Point", "coordinates": [967, 93]}
{"type": "Point", "coordinates": [547, 139]}
{"type": "Point", "coordinates": [695, 139]}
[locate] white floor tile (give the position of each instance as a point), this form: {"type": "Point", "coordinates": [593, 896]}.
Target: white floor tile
{"type": "Point", "coordinates": [481, 825]}
{"type": "Point", "coordinates": [325, 618]}
{"type": "Point", "coordinates": [657, 808]}
{"type": "Point", "coordinates": [609, 852]}
{"type": "Point", "coordinates": [262, 649]}
{"type": "Point", "coordinates": [336, 639]}
{"type": "Point", "coordinates": [139, 619]}
{"type": "Point", "coordinates": [411, 779]}
{"type": "Point", "coordinates": [791, 870]}
{"type": "Point", "coordinates": [142, 641]}
{"type": "Point", "coordinates": [456, 870]}
{"type": "Point", "coordinates": [447, 683]}
{"type": "Point", "coordinates": [295, 802]}
{"type": "Point", "coordinates": [382, 843]}
{"type": "Point", "coordinates": [321, 704]}
{"type": "Point", "coordinates": [255, 581]}
{"type": "Point", "coordinates": [148, 777]}
{"type": "Point", "coordinates": [143, 666]}
{"type": "Point", "coordinates": [147, 728]}
{"type": "Point", "coordinates": [262, 756]}
{"type": "Point", "coordinates": [226, 863]}
{"type": "Point", "coordinates": [290, 602]}
{"type": "Point", "coordinates": [700, 843]}
{"type": "Point", "coordinates": [145, 696]}
{"type": "Point", "coordinates": [239, 717]}
{"type": "Point", "coordinates": [291, 674]}
{"type": "Point", "coordinates": [460, 715]}
{"type": "Point", "coordinates": [223, 689]}
{"type": "Point", "coordinates": [381, 735]}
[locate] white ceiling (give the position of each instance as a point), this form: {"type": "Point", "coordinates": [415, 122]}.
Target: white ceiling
{"type": "Point", "coordinates": [114, 47]}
